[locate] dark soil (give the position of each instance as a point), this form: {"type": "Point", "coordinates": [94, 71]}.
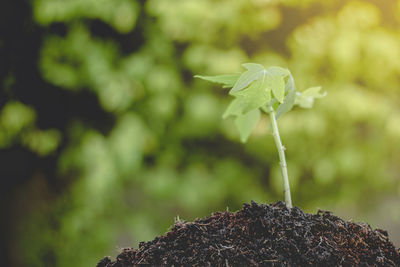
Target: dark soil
{"type": "Point", "coordinates": [264, 235]}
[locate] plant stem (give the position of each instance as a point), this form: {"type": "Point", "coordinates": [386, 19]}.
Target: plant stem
{"type": "Point", "coordinates": [281, 151]}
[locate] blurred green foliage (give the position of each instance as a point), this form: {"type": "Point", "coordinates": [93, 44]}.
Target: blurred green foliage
{"type": "Point", "coordinates": [17, 125]}
{"type": "Point", "coordinates": [170, 152]}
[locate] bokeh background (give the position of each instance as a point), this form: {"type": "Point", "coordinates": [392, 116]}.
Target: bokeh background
{"type": "Point", "coordinates": [105, 136]}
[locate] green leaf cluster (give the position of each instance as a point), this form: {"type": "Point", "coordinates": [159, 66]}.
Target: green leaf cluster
{"type": "Point", "coordinates": [306, 98]}
{"type": "Point", "coordinates": [260, 88]}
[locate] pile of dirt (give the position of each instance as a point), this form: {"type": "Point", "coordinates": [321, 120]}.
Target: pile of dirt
{"type": "Point", "coordinates": [264, 235]}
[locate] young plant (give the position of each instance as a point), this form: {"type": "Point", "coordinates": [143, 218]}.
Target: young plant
{"type": "Point", "coordinates": [271, 90]}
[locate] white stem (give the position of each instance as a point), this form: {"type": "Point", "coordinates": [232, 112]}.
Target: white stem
{"type": "Point", "coordinates": [281, 151]}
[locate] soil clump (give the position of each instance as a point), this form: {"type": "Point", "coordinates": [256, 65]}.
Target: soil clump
{"type": "Point", "coordinates": [264, 235]}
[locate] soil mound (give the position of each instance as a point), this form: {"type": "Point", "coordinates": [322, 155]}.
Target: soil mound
{"type": "Point", "coordinates": [264, 235]}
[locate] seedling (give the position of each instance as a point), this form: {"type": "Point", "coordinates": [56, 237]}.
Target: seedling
{"type": "Point", "coordinates": [271, 90]}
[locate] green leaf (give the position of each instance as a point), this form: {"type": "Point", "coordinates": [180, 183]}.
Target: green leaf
{"type": "Point", "coordinates": [306, 98]}
{"type": "Point", "coordinates": [228, 80]}
{"type": "Point", "coordinates": [253, 66]}
{"type": "Point", "coordinates": [278, 71]}
{"type": "Point", "coordinates": [256, 95]}
{"type": "Point", "coordinates": [235, 108]}
{"type": "Point", "coordinates": [277, 84]}
{"type": "Point", "coordinates": [290, 98]}
{"type": "Point", "coordinates": [253, 73]}
{"type": "Point", "coordinates": [313, 92]}
{"type": "Point", "coordinates": [246, 124]}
